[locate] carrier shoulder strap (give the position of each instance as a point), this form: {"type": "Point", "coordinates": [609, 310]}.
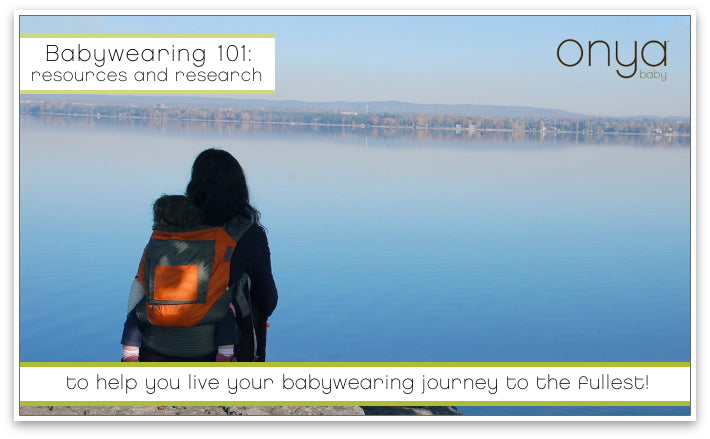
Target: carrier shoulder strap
{"type": "Point", "coordinates": [242, 295]}
{"type": "Point", "coordinates": [237, 227]}
{"type": "Point", "coordinates": [248, 340]}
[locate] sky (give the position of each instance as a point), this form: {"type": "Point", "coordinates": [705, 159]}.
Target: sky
{"type": "Point", "coordinates": [506, 60]}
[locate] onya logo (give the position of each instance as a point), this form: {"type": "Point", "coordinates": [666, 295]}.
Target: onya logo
{"type": "Point", "coordinates": [653, 53]}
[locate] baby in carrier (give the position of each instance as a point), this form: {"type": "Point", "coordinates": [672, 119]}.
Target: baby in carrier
{"type": "Point", "coordinates": [176, 213]}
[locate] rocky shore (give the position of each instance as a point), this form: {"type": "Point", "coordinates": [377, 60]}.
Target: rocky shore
{"type": "Point", "coordinates": [236, 411]}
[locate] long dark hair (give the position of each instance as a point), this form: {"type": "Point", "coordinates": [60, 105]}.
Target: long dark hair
{"type": "Point", "coordinates": [219, 189]}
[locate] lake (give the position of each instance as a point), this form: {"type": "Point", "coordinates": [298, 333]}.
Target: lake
{"type": "Point", "coordinates": [386, 245]}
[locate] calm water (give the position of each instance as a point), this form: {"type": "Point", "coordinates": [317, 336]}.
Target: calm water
{"type": "Point", "coordinates": [385, 246]}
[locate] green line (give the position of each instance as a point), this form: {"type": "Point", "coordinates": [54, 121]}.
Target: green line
{"type": "Point", "coordinates": [362, 364]}
{"type": "Point", "coordinates": [147, 36]}
{"type": "Point", "coordinates": [364, 403]}
{"type": "Point", "coordinates": [142, 92]}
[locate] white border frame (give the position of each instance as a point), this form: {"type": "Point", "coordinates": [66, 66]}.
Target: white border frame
{"type": "Point", "coordinates": [387, 12]}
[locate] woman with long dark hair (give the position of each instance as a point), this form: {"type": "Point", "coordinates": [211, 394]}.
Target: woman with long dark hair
{"type": "Point", "coordinates": [219, 189]}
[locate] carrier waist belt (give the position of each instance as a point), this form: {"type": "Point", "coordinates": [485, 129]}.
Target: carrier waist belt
{"type": "Point", "coordinates": [193, 341]}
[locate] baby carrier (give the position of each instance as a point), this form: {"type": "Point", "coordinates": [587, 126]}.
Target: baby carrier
{"type": "Point", "coordinates": [185, 275]}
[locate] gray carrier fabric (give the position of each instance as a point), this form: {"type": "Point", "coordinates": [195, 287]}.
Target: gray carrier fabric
{"type": "Point", "coordinates": [236, 227]}
{"type": "Point", "coordinates": [194, 341]}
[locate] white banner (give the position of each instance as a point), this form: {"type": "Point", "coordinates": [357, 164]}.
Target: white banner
{"type": "Point", "coordinates": [147, 63]}
{"type": "Point", "coordinates": [239, 383]}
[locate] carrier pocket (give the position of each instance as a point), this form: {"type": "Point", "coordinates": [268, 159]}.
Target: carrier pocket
{"type": "Point", "coordinates": [178, 271]}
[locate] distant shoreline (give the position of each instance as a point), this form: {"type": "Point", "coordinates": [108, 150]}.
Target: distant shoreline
{"type": "Point", "coordinates": [356, 125]}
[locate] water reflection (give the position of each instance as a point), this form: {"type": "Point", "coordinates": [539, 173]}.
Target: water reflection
{"type": "Point", "coordinates": [375, 137]}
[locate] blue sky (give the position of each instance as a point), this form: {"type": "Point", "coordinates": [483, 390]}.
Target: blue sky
{"type": "Point", "coordinates": [487, 60]}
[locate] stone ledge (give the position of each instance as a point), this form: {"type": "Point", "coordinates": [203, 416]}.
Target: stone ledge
{"type": "Point", "coordinates": [234, 411]}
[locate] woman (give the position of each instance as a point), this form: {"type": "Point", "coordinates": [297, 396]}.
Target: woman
{"type": "Point", "coordinates": [219, 189]}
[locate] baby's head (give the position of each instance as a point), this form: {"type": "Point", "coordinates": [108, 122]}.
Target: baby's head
{"type": "Point", "coordinates": [175, 211]}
